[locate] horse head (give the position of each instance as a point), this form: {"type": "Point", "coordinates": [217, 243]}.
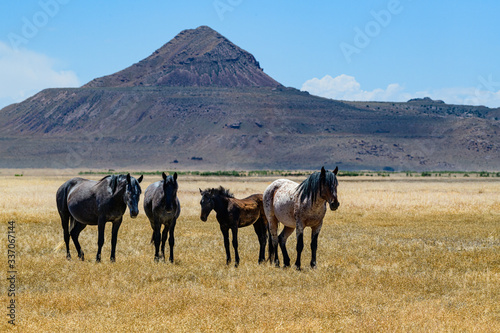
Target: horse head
{"type": "Point", "coordinates": [132, 195]}
{"type": "Point", "coordinates": [328, 187]}
{"type": "Point", "coordinates": [170, 187]}
{"type": "Point", "coordinates": [206, 203]}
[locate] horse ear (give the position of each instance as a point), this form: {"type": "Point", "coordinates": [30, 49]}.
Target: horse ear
{"type": "Point", "coordinates": [128, 178]}
{"type": "Point", "coordinates": [164, 176]}
{"type": "Point", "coordinates": [201, 192]}
{"type": "Point", "coordinates": [175, 175]}
{"type": "Point", "coordinates": [323, 172]}
{"type": "Point", "coordinates": [140, 178]}
{"type": "Point", "coordinates": [336, 170]}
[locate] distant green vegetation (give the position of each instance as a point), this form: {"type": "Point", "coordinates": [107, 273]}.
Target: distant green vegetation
{"type": "Point", "coordinates": [219, 173]}
{"type": "Point", "coordinates": [457, 173]}
{"type": "Point", "coordinates": [288, 173]}
{"type": "Point", "coordinates": [349, 174]}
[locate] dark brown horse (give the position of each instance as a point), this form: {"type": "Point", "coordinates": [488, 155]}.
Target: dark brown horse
{"type": "Point", "coordinates": [83, 202]}
{"type": "Point", "coordinates": [235, 213]}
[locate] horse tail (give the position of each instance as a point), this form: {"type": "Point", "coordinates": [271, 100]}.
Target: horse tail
{"type": "Point", "coordinates": [268, 199]}
{"type": "Point", "coordinates": [270, 248]}
{"type": "Point", "coordinates": [62, 205]}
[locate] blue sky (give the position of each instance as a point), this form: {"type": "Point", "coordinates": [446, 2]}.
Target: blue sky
{"type": "Point", "coordinates": [390, 50]}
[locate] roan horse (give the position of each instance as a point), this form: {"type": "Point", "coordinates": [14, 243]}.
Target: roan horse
{"type": "Point", "coordinates": [235, 213]}
{"type": "Point", "coordinates": [299, 206]}
{"type": "Point", "coordinates": [162, 207]}
{"type": "Point", "coordinates": [87, 202]}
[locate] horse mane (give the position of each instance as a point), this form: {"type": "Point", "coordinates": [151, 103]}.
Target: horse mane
{"type": "Point", "coordinates": [310, 187]}
{"type": "Point", "coordinates": [113, 182]}
{"type": "Point", "coordinates": [220, 191]}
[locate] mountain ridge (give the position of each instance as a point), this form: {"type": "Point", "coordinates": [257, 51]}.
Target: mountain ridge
{"type": "Point", "coordinates": [242, 119]}
{"type": "Point", "coordinates": [195, 57]}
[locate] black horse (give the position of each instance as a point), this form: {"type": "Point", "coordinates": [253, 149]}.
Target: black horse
{"type": "Point", "coordinates": [88, 202]}
{"type": "Point", "coordinates": [235, 213]}
{"type": "Point", "coordinates": [162, 207]}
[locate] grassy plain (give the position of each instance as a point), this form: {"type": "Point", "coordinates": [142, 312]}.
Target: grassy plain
{"type": "Point", "coordinates": [400, 254]}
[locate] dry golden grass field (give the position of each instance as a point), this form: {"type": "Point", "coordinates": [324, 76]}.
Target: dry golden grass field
{"type": "Point", "coordinates": [401, 254]}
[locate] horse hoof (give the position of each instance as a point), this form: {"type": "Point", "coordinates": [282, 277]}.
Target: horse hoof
{"type": "Point", "coordinates": [313, 265]}
{"type": "Point", "coordinates": [297, 267]}
{"type": "Point", "coordinates": [157, 259]}
{"type": "Point", "coordinates": [68, 257]}
{"type": "Point", "coordinates": [113, 260]}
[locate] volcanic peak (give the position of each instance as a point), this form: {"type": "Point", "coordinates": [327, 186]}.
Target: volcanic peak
{"type": "Point", "coordinates": [195, 57]}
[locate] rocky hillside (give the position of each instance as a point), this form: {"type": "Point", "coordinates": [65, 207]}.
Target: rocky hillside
{"type": "Point", "coordinates": [197, 57]}
{"type": "Point", "coordinates": [200, 102]}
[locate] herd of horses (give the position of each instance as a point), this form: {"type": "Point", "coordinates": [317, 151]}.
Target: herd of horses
{"type": "Point", "coordinates": [82, 202]}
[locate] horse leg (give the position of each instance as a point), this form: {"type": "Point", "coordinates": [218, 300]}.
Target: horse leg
{"type": "Point", "coordinates": [314, 244]}
{"type": "Point", "coordinates": [65, 226]}
{"type": "Point", "coordinates": [171, 240]}
{"type": "Point", "coordinates": [164, 236]}
{"type": "Point", "coordinates": [114, 237]}
{"type": "Point", "coordinates": [300, 243]}
{"type": "Point", "coordinates": [101, 225]}
{"type": "Point", "coordinates": [287, 231]}
{"type": "Point", "coordinates": [260, 229]}
{"type": "Point", "coordinates": [157, 239]}
{"type": "Point", "coordinates": [273, 241]}
{"type": "Point", "coordinates": [76, 228]}
{"type": "Point", "coordinates": [225, 233]}
{"type": "Point", "coordinates": [235, 246]}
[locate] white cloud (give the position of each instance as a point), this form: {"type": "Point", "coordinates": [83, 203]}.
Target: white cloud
{"type": "Point", "coordinates": [24, 73]}
{"type": "Point", "coordinates": [345, 87]}
{"type": "Point", "coordinates": [468, 96]}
